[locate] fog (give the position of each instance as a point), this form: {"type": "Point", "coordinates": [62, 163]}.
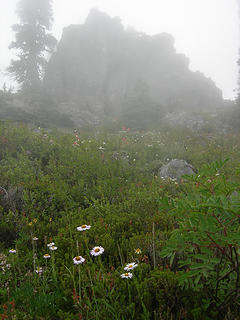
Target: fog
{"type": "Point", "coordinates": [205, 31]}
{"type": "Point", "coordinates": [70, 63]}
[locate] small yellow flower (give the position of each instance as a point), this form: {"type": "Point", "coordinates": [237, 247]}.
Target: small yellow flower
{"type": "Point", "coordinates": [30, 224]}
{"type": "Point", "coordinates": [35, 220]}
{"type": "Point", "coordinates": [138, 251]}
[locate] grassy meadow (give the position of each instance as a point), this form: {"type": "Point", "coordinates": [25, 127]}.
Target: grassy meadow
{"type": "Point", "coordinates": [89, 230]}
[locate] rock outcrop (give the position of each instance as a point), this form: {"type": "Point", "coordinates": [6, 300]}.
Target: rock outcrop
{"type": "Point", "coordinates": [100, 64]}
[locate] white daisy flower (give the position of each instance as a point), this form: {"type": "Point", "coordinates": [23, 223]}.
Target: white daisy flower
{"type": "Point", "coordinates": [51, 244]}
{"type": "Point", "coordinates": [127, 275]}
{"type": "Point", "coordinates": [96, 251]}
{"type": "Point", "coordinates": [78, 260]}
{"type": "Point", "coordinates": [35, 239]}
{"type": "Point", "coordinates": [53, 248]}
{"type": "Point", "coordinates": [83, 227]}
{"type": "Point", "coordinates": [39, 270]}
{"type": "Point", "coordinates": [46, 256]}
{"type": "Point", "coordinates": [12, 251]}
{"type": "Point", "coordinates": [130, 266]}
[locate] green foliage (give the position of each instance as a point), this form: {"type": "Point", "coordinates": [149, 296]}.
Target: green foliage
{"type": "Point", "coordinates": [206, 244]}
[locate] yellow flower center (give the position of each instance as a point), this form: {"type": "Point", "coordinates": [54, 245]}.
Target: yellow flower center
{"type": "Point", "coordinates": [96, 250]}
{"type": "Point", "coordinates": [78, 258]}
{"type": "Point", "coordinates": [46, 255]}
{"type": "Point", "coordinates": [84, 226]}
{"type": "Point", "coordinates": [126, 274]}
{"type": "Point", "coordinates": [130, 266]}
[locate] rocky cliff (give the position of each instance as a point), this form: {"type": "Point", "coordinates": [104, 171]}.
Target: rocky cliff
{"type": "Point", "coordinates": [103, 68]}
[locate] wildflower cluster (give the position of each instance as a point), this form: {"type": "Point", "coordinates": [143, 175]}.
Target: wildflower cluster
{"type": "Point", "coordinates": [129, 267]}
{"type": "Point", "coordinates": [52, 246]}
{"type": "Point", "coordinates": [76, 142]}
{"type": "Point", "coordinates": [96, 251]}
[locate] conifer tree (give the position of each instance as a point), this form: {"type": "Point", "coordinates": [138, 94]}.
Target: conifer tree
{"type": "Point", "coordinates": [32, 43]}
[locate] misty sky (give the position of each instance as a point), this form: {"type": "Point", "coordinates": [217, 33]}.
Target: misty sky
{"type": "Point", "coordinates": [207, 31]}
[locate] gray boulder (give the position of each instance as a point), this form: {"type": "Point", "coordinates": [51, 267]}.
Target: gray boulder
{"type": "Point", "coordinates": [175, 169]}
